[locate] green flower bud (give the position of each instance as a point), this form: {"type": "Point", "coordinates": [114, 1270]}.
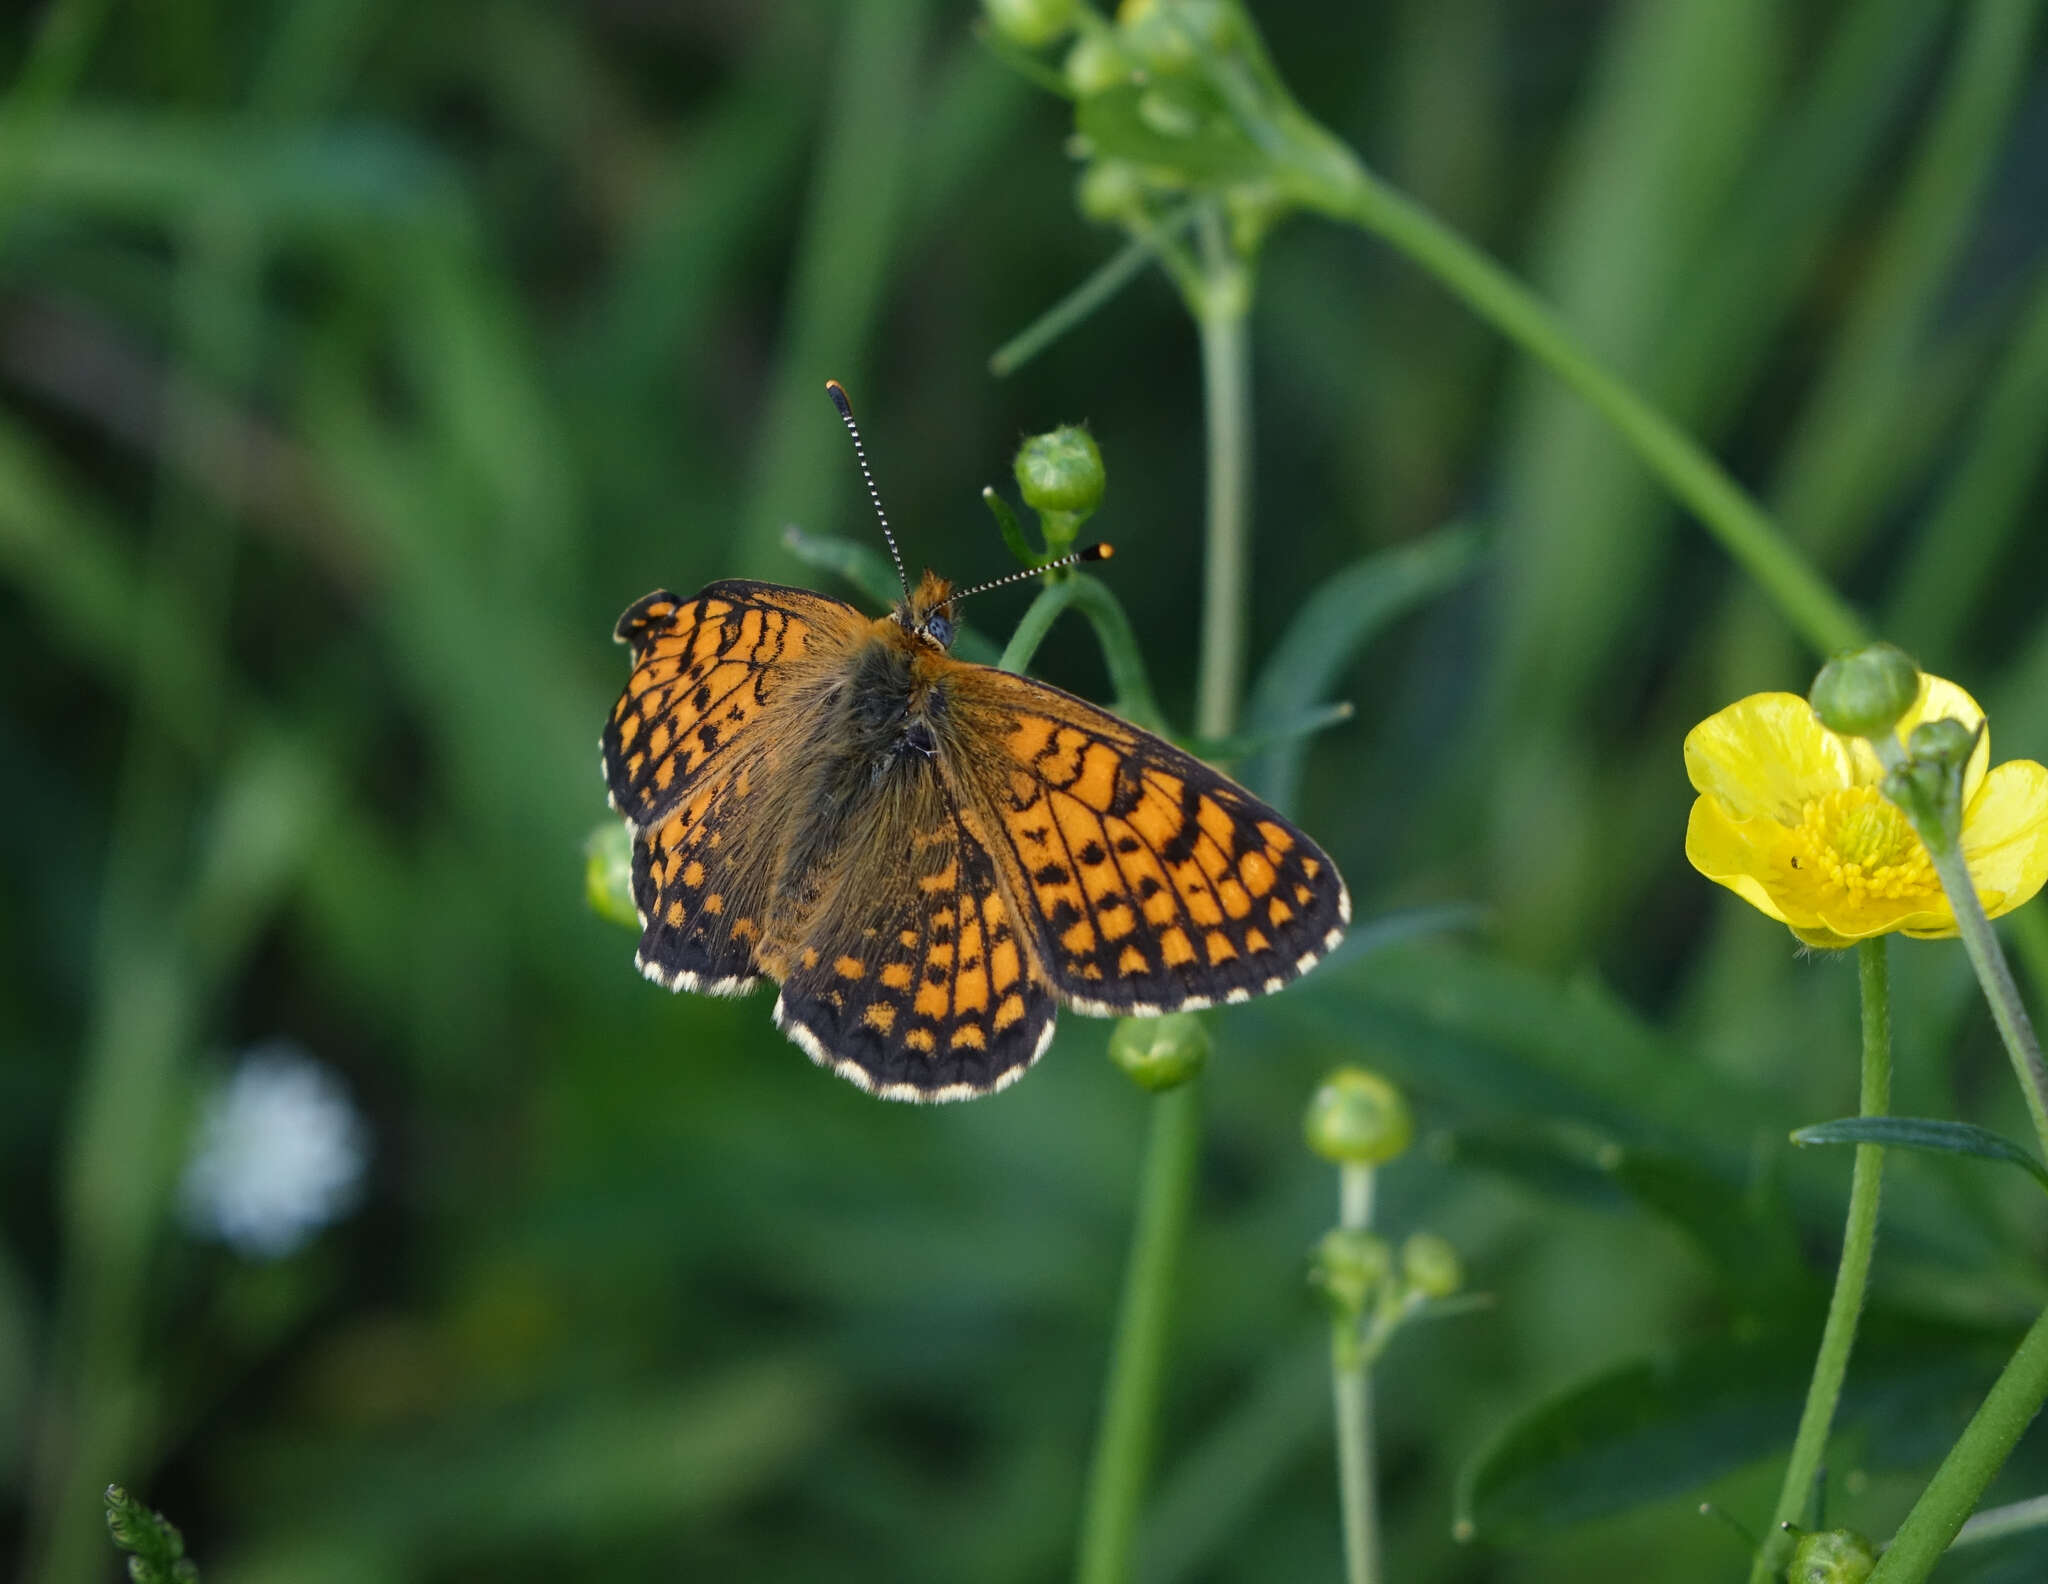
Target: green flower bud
{"type": "Point", "coordinates": [1831, 1556]}
{"type": "Point", "coordinates": [1110, 192]}
{"type": "Point", "coordinates": [1431, 1265]}
{"type": "Point", "coordinates": [608, 874]}
{"type": "Point", "coordinates": [1357, 1118]}
{"type": "Point", "coordinates": [1167, 35]}
{"type": "Point", "coordinates": [1864, 692]}
{"type": "Point", "coordinates": [1061, 473]}
{"type": "Point", "coordinates": [1349, 1266]}
{"type": "Point", "coordinates": [1098, 63]}
{"type": "Point", "coordinates": [1160, 1052]}
{"type": "Point", "coordinates": [1032, 22]}
{"type": "Point", "coordinates": [1948, 743]}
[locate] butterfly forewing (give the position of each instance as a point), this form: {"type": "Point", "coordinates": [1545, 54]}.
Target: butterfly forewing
{"type": "Point", "coordinates": [1155, 882]}
{"type": "Point", "coordinates": [706, 672]}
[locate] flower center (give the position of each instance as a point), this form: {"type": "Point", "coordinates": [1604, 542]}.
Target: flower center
{"type": "Point", "coordinates": [1853, 840]}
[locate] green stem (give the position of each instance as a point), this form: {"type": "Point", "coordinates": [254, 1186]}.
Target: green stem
{"type": "Point", "coordinates": [1130, 1400]}
{"type": "Point", "coordinates": [1838, 1337]}
{"type": "Point", "coordinates": [1993, 973]}
{"type": "Point", "coordinates": [1745, 530]}
{"type": "Point", "coordinates": [1971, 1463]}
{"type": "Point", "coordinates": [1108, 279]}
{"type": "Point", "coordinates": [1128, 679]}
{"type": "Point", "coordinates": [1227, 402]}
{"type": "Point", "coordinates": [1351, 1389]}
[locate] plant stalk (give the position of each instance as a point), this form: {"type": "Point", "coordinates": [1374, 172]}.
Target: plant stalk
{"type": "Point", "coordinates": [1351, 1388]}
{"type": "Point", "coordinates": [1838, 1336]}
{"type": "Point", "coordinates": [1123, 1443]}
{"type": "Point", "coordinates": [2015, 1398]}
{"type": "Point", "coordinates": [1802, 596]}
{"type": "Point", "coordinates": [2008, 1011]}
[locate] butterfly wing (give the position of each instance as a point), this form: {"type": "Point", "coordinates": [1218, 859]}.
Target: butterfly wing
{"type": "Point", "coordinates": [1153, 882]}
{"type": "Point", "coordinates": [914, 980]}
{"type": "Point", "coordinates": [717, 692]}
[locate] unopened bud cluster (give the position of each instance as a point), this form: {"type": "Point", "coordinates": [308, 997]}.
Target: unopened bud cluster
{"type": "Point", "coordinates": [1359, 1121]}
{"type": "Point", "coordinates": [1866, 693]}
{"type": "Point", "coordinates": [1831, 1556]}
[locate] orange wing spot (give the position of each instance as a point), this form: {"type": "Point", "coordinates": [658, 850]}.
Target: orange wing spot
{"type": "Point", "coordinates": [931, 1001]}
{"type": "Point", "coordinates": [1216, 822]}
{"type": "Point", "coordinates": [809, 957]}
{"type": "Point", "coordinates": [943, 919]}
{"type": "Point", "coordinates": [1078, 938]}
{"type": "Point", "coordinates": [1160, 908]}
{"type": "Point", "coordinates": [1117, 921]}
{"type": "Point", "coordinates": [1030, 735]}
{"type": "Point", "coordinates": [1237, 901]}
{"type": "Point", "coordinates": [635, 763]}
{"type": "Point", "coordinates": [968, 1036]}
{"type": "Point", "coordinates": [880, 1016]}
{"type": "Point", "coordinates": [659, 739]}
{"type": "Point", "coordinates": [1220, 949]}
{"type": "Point", "coordinates": [1214, 859]}
{"type": "Point", "coordinates": [947, 879]}
{"type": "Point", "coordinates": [672, 832]}
{"type": "Point", "coordinates": [1096, 783]}
{"type": "Point", "coordinates": [714, 904]}
{"type": "Point", "coordinates": [1002, 964]}
{"type": "Point", "coordinates": [1010, 1012]}
{"type": "Point", "coordinates": [1130, 962]}
{"type": "Point", "coordinates": [1279, 912]}
{"type": "Point", "coordinates": [1278, 838]}
{"type": "Point", "coordinates": [1255, 940]}
{"type": "Point", "coordinates": [693, 875]}
{"type": "Point", "coordinates": [629, 728]}
{"type": "Point", "coordinates": [970, 991]}
{"type": "Point", "coordinates": [1257, 874]}
{"type": "Point", "coordinates": [1311, 868]}
{"type": "Point", "coordinates": [849, 967]}
{"type": "Point", "coordinates": [665, 773]}
{"type": "Point", "coordinates": [1090, 971]}
{"type": "Point", "coordinates": [1304, 896]}
{"type": "Point", "coordinates": [744, 929]}
{"type": "Point", "coordinates": [1175, 947]}
{"type": "Point", "coordinates": [675, 914]}
{"type": "Point", "coordinates": [921, 1041]}
{"type": "Point", "coordinates": [897, 976]}
{"type": "Point", "coordinates": [1196, 896]}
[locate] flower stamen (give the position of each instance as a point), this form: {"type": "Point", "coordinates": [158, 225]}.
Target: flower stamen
{"type": "Point", "coordinates": [1855, 843]}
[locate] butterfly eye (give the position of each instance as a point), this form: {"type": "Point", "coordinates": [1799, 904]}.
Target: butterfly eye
{"type": "Point", "coordinates": [940, 630]}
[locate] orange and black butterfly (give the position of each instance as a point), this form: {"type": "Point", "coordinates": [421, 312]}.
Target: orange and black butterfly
{"type": "Point", "coordinates": [930, 856]}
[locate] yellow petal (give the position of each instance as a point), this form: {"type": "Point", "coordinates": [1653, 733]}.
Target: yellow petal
{"type": "Point", "coordinates": [1737, 854]}
{"type": "Point", "coordinates": [1764, 757]}
{"type": "Point", "coordinates": [1925, 918]}
{"type": "Point", "coordinates": [1939, 699]}
{"type": "Point", "coordinates": [1826, 940]}
{"type": "Point", "coordinates": [2005, 835]}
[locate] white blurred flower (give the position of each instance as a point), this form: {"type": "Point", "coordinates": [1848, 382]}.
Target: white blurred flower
{"type": "Point", "coordinates": [279, 1153]}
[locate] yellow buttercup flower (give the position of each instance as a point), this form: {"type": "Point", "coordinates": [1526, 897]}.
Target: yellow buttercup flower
{"type": "Point", "coordinates": [1791, 819]}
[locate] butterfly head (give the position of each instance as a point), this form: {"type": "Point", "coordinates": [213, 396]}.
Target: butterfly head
{"type": "Point", "coordinates": [927, 614]}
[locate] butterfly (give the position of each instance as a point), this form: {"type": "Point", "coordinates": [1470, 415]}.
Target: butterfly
{"type": "Point", "coordinates": [930, 856]}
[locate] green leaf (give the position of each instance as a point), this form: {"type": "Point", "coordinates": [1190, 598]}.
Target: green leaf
{"type": "Point", "coordinates": [1334, 623]}
{"type": "Point", "coordinates": [1923, 1133]}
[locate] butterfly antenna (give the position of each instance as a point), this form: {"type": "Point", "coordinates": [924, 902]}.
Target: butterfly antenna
{"type": "Point", "coordinates": [860, 454]}
{"type": "Point", "coordinates": [1094, 552]}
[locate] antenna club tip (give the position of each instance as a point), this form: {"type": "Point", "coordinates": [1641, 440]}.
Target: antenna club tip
{"type": "Point", "coordinates": [1098, 552]}
{"type": "Point", "coordinates": [837, 392]}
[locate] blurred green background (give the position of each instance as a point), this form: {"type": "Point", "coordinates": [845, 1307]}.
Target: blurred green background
{"type": "Point", "coordinates": [360, 362]}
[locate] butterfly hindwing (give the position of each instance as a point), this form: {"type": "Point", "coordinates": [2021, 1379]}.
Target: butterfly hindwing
{"type": "Point", "coordinates": [915, 980]}
{"type": "Point", "coordinates": [1156, 883]}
